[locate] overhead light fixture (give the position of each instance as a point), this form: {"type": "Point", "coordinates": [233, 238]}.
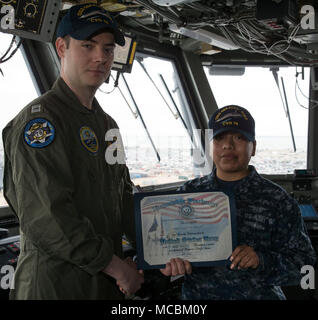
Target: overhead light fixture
{"type": "Point", "coordinates": [226, 70]}
{"type": "Point", "coordinates": [205, 36]}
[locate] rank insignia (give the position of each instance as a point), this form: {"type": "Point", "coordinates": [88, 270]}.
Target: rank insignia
{"type": "Point", "coordinates": [39, 133]}
{"type": "Point", "coordinates": [89, 139]}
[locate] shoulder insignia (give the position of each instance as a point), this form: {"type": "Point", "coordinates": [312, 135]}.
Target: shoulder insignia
{"type": "Point", "coordinates": [89, 139]}
{"type": "Point", "coordinates": [36, 108]}
{"type": "Point", "coordinates": [39, 133]}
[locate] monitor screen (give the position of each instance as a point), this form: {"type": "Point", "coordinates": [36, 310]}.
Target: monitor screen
{"type": "Point", "coordinates": [124, 56]}
{"type": "Point", "coordinates": [308, 211]}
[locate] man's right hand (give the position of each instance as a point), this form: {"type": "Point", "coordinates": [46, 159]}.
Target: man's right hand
{"type": "Point", "coordinates": [127, 276]}
{"type": "Point", "coordinates": [176, 267]}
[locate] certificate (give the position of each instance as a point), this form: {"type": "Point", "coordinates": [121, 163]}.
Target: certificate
{"type": "Point", "coordinates": [199, 227]}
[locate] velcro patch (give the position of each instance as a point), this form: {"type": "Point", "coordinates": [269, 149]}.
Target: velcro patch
{"type": "Point", "coordinates": [89, 139]}
{"type": "Point", "coordinates": [39, 133]}
{"type": "Point", "coordinates": [36, 108]}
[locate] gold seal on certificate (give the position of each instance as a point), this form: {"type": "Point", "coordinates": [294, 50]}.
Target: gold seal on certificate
{"type": "Point", "coordinates": [199, 227]}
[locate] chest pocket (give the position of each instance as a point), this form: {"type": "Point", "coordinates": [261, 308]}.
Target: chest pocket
{"type": "Point", "coordinates": [255, 226]}
{"type": "Point", "coordinates": [261, 235]}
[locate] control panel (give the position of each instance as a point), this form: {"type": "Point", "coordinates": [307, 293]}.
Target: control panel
{"type": "Point", "coordinates": [31, 19]}
{"type": "Point", "coordinates": [9, 251]}
{"type": "Point", "coordinates": [304, 190]}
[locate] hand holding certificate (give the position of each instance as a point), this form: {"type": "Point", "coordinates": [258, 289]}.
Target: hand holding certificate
{"type": "Point", "coordinates": [176, 267]}
{"type": "Point", "coordinates": [198, 227]}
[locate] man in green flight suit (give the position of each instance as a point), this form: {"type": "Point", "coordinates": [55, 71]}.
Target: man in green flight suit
{"type": "Point", "coordinates": [72, 205]}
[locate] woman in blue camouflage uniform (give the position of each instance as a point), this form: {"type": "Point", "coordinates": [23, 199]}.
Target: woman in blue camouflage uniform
{"type": "Point", "coordinates": [273, 244]}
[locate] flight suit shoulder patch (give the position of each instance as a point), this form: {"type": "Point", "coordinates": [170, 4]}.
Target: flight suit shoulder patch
{"type": "Point", "coordinates": [39, 133]}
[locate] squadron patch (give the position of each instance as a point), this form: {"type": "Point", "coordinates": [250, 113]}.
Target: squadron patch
{"type": "Point", "coordinates": [39, 133]}
{"type": "Point", "coordinates": [89, 139]}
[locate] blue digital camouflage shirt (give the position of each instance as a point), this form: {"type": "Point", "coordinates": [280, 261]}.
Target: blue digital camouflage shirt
{"type": "Point", "coordinates": [268, 220]}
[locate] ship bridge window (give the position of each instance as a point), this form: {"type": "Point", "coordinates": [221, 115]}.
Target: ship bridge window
{"type": "Point", "coordinates": [151, 112]}
{"type": "Point", "coordinates": [16, 91]}
{"type": "Point", "coordinates": [281, 144]}
{"type": "Point", "coordinates": [149, 107]}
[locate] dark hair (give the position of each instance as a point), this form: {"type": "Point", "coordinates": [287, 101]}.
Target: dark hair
{"type": "Point", "coordinates": [67, 39]}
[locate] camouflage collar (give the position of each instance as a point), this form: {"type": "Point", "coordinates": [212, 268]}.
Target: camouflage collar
{"type": "Point", "coordinates": [213, 181]}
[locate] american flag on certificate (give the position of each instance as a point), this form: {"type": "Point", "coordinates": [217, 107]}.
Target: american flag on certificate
{"type": "Point", "coordinates": [205, 208]}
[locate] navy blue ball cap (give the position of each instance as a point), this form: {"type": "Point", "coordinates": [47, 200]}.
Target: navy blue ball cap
{"type": "Point", "coordinates": [233, 118]}
{"type": "Point", "coordinates": [83, 21]}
